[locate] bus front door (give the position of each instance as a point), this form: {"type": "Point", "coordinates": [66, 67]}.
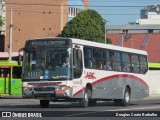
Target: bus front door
{"type": "Point", "coordinates": [16, 81]}
{"type": "Point", "coordinates": [4, 81]}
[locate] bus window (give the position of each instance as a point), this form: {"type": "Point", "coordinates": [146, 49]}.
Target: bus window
{"type": "Point", "coordinates": [16, 72]}
{"type": "Point", "coordinates": [88, 57]}
{"type": "Point", "coordinates": [125, 62]}
{"type": "Point", "coordinates": [107, 60]}
{"type": "Point", "coordinates": [97, 56]}
{"type": "Point", "coordinates": [4, 72]}
{"type": "Point", "coordinates": [77, 63]}
{"type": "Point", "coordinates": [117, 61]}
{"type": "Point", "coordinates": [143, 64]}
{"type": "Point", "coordinates": [135, 64]}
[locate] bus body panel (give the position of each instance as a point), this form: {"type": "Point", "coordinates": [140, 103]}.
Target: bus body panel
{"type": "Point", "coordinates": [103, 84]}
{"type": "Point", "coordinates": [16, 86]}
{"type": "Point", "coordinates": [4, 85]}
{"type": "Point", "coordinates": [10, 78]}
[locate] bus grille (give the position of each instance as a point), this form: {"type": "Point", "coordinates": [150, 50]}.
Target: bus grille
{"type": "Point", "coordinates": [45, 89]}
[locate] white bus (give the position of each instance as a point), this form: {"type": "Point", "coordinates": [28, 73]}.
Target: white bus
{"type": "Point", "coordinates": [68, 69]}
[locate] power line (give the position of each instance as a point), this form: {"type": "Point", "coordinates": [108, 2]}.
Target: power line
{"type": "Point", "coordinates": [67, 12]}
{"type": "Point", "coordinates": [35, 4]}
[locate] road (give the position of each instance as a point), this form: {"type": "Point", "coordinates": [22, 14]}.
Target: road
{"type": "Point", "coordinates": [149, 105]}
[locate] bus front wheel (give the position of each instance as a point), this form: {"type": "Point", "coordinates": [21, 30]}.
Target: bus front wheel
{"type": "Point", "coordinates": [44, 103]}
{"type": "Point", "coordinates": [85, 99]}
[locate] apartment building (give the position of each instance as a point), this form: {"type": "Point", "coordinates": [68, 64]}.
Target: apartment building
{"type": "Point", "coordinates": [37, 18]}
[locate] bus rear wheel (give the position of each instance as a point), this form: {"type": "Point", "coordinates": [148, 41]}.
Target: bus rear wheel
{"type": "Point", "coordinates": [126, 100]}
{"type": "Point", "coordinates": [44, 103]}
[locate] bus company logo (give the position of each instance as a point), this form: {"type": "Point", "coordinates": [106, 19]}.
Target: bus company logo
{"type": "Point", "coordinates": [90, 75]}
{"type": "Point", "coordinates": [6, 114]}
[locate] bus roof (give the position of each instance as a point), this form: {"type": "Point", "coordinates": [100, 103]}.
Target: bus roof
{"type": "Point", "coordinates": [107, 46]}
{"type": "Point", "coordinates": [153, 65]}
{"type": "Point", "coordinates": [6, 63]}
{"type": "Point", "coordinates": [96, 44]}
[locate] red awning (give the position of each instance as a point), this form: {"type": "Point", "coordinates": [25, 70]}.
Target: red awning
{"type": "Point", "coordinates": [5, 54]}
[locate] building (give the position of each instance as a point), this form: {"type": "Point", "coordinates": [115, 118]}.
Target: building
{"type": "Point", "coordinates": [37, 18]}
{"type": "Point", "coordinates": [2, 13]}
{"type": "Point", "coordinates": [150, 15]}
{"type": "Point", "coordinates": [148, 10]}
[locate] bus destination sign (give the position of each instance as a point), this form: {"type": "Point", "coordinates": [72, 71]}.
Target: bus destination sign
{"type": "Point", "coordinates": [45, 42]}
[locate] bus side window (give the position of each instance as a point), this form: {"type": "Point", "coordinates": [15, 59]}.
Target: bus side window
{"type": "Point", "coordinates": [88, 57]}
{"type": "Point", "coordinates": [135, 64]}
{"type": "Point", "coordinates": [125, 62]}
{"type": "Point", "coordinates": [4, 72]}
{"type": "Point", "coordinates": [77, 63]}
{"type": "Point", "coordinates": [107, 60]}
{"type": "Point", "coordinates": [143, 64]}
{"type": "Point", "coordinates": [117, 61]}
{"type": "Point", "coordinates": [97, 58]}
{"type": "Point", "coordinates": [16, 72]}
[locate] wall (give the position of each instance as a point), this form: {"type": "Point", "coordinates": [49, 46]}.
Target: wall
{"type": "Point", "coordinates": [34, 19]}
{"type": "Point", "coordinates": [153, 80]}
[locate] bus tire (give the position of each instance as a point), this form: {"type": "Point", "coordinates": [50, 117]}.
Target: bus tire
{"type": "Point", "coordinates": [117, 102]}
{"type": "Point", "coordinates": [126, 100]}
{"type": "Point", "coordinates": [84, 101]}
{"type": "Point", "coordinates": [44, 103]}
{"type": "Point", "coordinates": [92, 102]}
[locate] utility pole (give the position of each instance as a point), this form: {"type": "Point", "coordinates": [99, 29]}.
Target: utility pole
{"type": "Point", "coordinates": [105, 31]}
{"type": "Point", "coordinates": [62, 20]}
{"type": "Point", "coordinates": [10, 36]}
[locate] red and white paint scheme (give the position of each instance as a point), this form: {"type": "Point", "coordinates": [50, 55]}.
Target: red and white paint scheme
{"type": "Point", "coordinates": [79, 70]}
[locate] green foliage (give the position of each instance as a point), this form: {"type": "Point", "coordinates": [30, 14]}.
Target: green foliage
{"type": "Point", "coordinates": [1, 21]}
{"type": "Point", "coordinates": [88, 25]}
{"type": "Point", "coordinates": [109, 41]}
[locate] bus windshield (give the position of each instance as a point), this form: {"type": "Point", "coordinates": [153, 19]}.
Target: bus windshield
{"type": "Point", "coordinates": [47, 64]}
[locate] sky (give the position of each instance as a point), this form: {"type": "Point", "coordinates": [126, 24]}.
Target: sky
{"type": "Point", "coordinates": [120, 12]}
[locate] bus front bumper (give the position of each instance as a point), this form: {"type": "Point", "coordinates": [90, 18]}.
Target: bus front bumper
{"type": "Point", "coordinates": [51, 95]}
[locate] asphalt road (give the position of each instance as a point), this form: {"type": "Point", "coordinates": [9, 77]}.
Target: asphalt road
{"type": "Point", "coordinates": [147, 104]}
{"type": "Point", "coordinates": [149, 107]}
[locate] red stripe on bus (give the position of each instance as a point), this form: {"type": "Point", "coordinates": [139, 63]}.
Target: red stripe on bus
{"type": "Point", "coordinates": [114, 76]}
{"type": "Point", "coordinates": [81, 90]}
{"type": "Point", "coordinates": [120, 76]}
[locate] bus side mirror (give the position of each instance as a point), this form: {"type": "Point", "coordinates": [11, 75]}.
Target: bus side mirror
{"type": "Point", "coordinates": [19, 59]}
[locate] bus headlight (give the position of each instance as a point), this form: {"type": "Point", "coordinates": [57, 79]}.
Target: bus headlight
{"type": "Point", "coordinates": [65, 88]}
{"type": "Point", "coordinates": [25, 88]}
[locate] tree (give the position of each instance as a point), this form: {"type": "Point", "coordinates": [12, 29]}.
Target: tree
{"type": "Point", "coordinates": [88, 25]}
{"type": "Point", "coordinates": [1, 21]}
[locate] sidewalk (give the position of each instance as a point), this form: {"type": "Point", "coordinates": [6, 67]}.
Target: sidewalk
{"type": "Point", "coordinates": [11, 97]}
{"type": "Point", "coordinates": [153, 96]}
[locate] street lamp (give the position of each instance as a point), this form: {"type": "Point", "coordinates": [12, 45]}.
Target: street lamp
{"type": "Point", "coordinates": [105, 33]}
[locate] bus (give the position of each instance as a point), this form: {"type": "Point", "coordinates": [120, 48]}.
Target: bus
{"type": "Point", "coordinates": [93, 72]}
{"type": "Point", "coordinates": [10, 78]}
